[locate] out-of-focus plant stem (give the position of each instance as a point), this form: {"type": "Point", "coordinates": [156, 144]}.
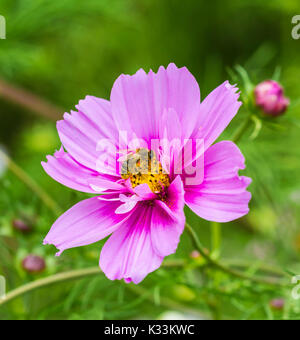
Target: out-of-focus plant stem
{"type": "Point", "coordinates": [66, 276]}
{"type": "Point", "coordinates": [29, 101]}
{"type": "Point", "coordinates": [215, 239]}
{"type": "Point", "coordinates": [262, 280]}
{"type": "Point", "coordinates": [263, 268]}
{"type": "Point", "coordinates": [71, 275]}
{"type": "Point", "coordinates": [30, 183]}
{"type": "Point", "coordinates": [242, 129]}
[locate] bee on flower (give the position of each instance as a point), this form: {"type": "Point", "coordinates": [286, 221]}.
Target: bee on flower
{"type": "Point", "coordinates": [140, 203]}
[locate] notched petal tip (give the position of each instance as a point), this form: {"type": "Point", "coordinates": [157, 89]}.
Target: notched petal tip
{"type": "Point", "coordinates": [59, 253]}
{"type": "Point", "coordinates": [246, 180]}
{"type": "Point", "coordinates": [48, 242]}
{"type": "Point", "coordinates": [84, 100]}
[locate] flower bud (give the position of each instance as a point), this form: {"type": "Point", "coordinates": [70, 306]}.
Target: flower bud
{"type": "Point", "coordinates": [195, 254]}
{"type": "Point", "coordinates": [277, 303]}
{"type": "Point", "coordinates": [21, 225]}
{"type": "Point", "coordinates": [33, 264]}
{"type": "Point", "coordinates": [270, 98]}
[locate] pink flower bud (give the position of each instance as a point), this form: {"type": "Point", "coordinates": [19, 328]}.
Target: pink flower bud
{"type": "Point", "coordinates": [269, 96]}
{"type": "Point", "coordinates": [277, 303]}
{"type": "Point", "coordinates": [21, 226]}
{"type": "Point", "coordinates": [33, 264]}
{"type": "Point", "coordinates": [195, 254]}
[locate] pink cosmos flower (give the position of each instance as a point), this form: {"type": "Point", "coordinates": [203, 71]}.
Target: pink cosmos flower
{"type": "Point", "coordinates": [144, 210]}
{"type": "Point", "coordinates": [269, 96]}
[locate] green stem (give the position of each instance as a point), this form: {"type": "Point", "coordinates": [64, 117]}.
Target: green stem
{"type": "Point", "coordinates": [241, 130]}
{"type": "Point", "coordinates": [30, 183]}
{"type": "Point", "coordinates": [71, 275]}
{"type": "Point", "coordinates": [66, 276]}
{"type": "Point", "coordinates": [216, 239]}
{"type": "Point", "coordinates": [263, 268]}
{"type": "Point", "coordinates": [228, 270]}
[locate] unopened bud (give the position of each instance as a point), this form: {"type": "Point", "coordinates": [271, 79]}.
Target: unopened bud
{"type": "Point", "coordinates": [33, 264]}
{"type": "Point", "coordinates": [277, 303]}
{"type": "Point", "coordinates": [195, 254]}
{"type": "Point", "coordinates": [270, 98]}
{"type": "Point", "coordinates": [21, 225]}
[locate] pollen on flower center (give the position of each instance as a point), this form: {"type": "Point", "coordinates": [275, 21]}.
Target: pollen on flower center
{"type": "Point", "coordinates": [143, 167]}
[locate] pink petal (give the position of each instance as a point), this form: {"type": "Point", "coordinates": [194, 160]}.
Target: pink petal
{"type": "Point", "coordinates": [170, 125]}
{"type": "Point", "coordinates": [129, 202]}
{"type": "Point", "coordinates": [126, 207]}
{"type": "Point", "coordinates": [98, 111]}
{"type": "Point", "coordinates": [139, 101]}
{"type": "Point", "coordinates": [65, 170]}
{"type": "Point", "coordinates": [144, 192]}
{"type": "Point", "coordinates": [101, 184]}
{"type": "Point", "coordinates": [87, 222]}
{"type": "Point", "coordinates": [168, 220]}
{"type": "Point", "coordinates": [90, 134]}
{"type": "Point", "coordinates": [128, 254]}
{"type": "Point", "coordinates": [216, 112]}
{"type": "Point", "coordinates": [170, 132]}
{"type": "Point", "coordinates": [222, 196]}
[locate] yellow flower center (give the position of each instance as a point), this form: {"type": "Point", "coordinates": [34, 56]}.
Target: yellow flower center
{"type": "Point", "coordinates": [143, 167]}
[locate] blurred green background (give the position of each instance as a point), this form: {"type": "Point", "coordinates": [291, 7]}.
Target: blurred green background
{"type": "Point", "coordinates": [60, 51]}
